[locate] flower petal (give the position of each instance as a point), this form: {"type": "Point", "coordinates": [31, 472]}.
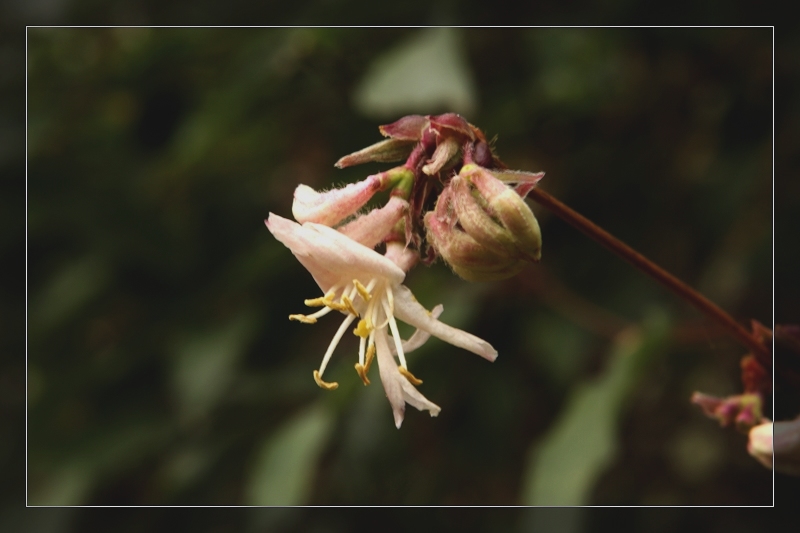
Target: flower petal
{"type": "Point", "coordinates": [330, 256]}
{"type": "Point", "coordinates": [390, 377]}
{"type": "Point", "coordinates": [415, 398]}
{"type": "Point", "coordinates": [291, 234]}
{"type": "Point", "coordinates": [410, 311]}
{"type": "Point", "coordinates": [351, 258]}
{"type": "Point", "coordinates": [331, 207]}
{"type": "Point", "coordinates": [420, 336]}
{"type": "Point", "coordinates": [370, 229]}
{"type": "Point", "coordinates": [398, 389]}
{"type": "Point", "coordinates": [759, 444]}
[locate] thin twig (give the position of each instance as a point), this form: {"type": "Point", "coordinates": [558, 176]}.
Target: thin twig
{"type": "Point", "coordinates": [683, 290]}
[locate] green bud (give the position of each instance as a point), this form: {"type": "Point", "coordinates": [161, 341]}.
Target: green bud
{"type": "Point", "coordinates": [509, 208]}
{"type": "Point", "coordinates": [386, 151]}
{"type": "Point", "coordinates": [477, 222]}
{"type": "Point", "coordinates": [468, 258]}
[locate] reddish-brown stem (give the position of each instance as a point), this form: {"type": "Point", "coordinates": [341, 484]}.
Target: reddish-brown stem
{"type": "Point", "coordinates": [702, 303]}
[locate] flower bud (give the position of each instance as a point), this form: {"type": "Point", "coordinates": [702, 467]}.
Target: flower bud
{"type": "Point", "coordinates": [468, 258]}
{"type": "Point", "coordinates": [445, 153]}
{"type": "Point", "coordinates": [331, 207]}
{"type": "Point", "coordinates": [742, 410]}
{"type": "Point", "coordinates": [477, 222]}
{"type": "Point", "coordinates": [509, 208]}
{"type": "Point", "coordinates": [386, 151]}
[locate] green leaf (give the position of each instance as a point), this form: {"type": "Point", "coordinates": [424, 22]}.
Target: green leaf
{"type": "Point", "coordinates": [117, 448]}
{"type": "Point", "coordinates": [427, 73]}
{"type": "Point", "coordinates": [287, 461]}
{"type": "Point", "coordinates": [70, 289]}
{"type": "Point", "coordinates": [564, 466]}
{"type": "Point", "coordinates": [205, 364]}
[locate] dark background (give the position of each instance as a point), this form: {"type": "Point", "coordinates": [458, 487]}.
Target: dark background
{"type": "Point", "coordinates": [162, 369]}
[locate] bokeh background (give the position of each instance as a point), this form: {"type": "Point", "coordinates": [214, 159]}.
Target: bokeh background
{"type": "Point", "coordinates": [162, 369]}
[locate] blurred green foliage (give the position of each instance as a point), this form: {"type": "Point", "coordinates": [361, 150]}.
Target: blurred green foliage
{"type": "Point", "coordinates": [566, 463]}
{"type": "Point", "coordinates": [162, 369]}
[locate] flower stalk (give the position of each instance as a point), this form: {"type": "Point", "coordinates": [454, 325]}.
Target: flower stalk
{"type": "Point", "coordinates": [700, 302]}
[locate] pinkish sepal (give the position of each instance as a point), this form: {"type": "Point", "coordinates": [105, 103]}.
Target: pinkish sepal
{"type": "Point", "coordinates": [408, 128]}
{"type": "Point", "coordinates": [450, 124]}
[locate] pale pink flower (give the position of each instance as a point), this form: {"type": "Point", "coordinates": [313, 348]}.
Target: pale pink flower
{"type": "Point", "coordinates": [330, 207]}
{"type": "Point", "coordinates": [779, 441]}
{"type": "Point", "coordinates": [365, 285]}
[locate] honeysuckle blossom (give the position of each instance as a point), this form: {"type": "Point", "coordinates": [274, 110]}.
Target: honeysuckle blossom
{"type": "Point", "coordinates": [367, 286]}
{"type": "Point", "coordinates": [777, 445]}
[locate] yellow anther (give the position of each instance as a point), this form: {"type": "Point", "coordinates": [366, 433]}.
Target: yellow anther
{"type": "Point", "coordinates": [362, 290]}
{"type": "Point", "coordinates": [324, 384]}
{"type": "Point", "coordinates": [369, 357]}
{"type": "Point", "coordinates": [321, 301]}
{"type": "Point", "coordinates": [363, 329]}
{"type": "Point", "coordinates": [336, 306]}
{"type": "Point", "coordinates": [348, 305]}
{"type": "Point", "coordinates": [409, 376]}
{"type": "Point", "coordinates": [362, 373]}
{"type": "Point", "coordinates": [303, 318]}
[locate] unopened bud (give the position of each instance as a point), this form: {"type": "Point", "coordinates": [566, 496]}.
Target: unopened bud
{"type": "Point", "coordinates": [477, 222]}
{"type": "Point", "coordinates": [445, 153]}
{"type": "Point", "coordinates": [467, 257]}
{"type": "Point", "coordinates": [386, 151]}
{"type": "Point", "coordinates": [509, 208]}
{"type": "Point", "coordinates": [331, 207]}
{"type": "Point", "coordinates": [742, 410]}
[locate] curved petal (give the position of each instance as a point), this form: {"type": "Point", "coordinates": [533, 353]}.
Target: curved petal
{"type": "Point", "coordinates": [345, 255]}
{"type": "Point", "coordinates": [420, 336]}
{"type": "Point", "coordinates": [415, 398]}
{"type": "Point", "coordinates": [398, 389]}
{"type": "Point", "coordinates": [330, 207]}
{"type": "Point", "coordinates": [389, 377]}
{"type": "Point", "coordinates": [370, 229]}
{"type": "Point", "coordinates": [410, 311]}
{"type": "Point", "coordinates": [326, 252]}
